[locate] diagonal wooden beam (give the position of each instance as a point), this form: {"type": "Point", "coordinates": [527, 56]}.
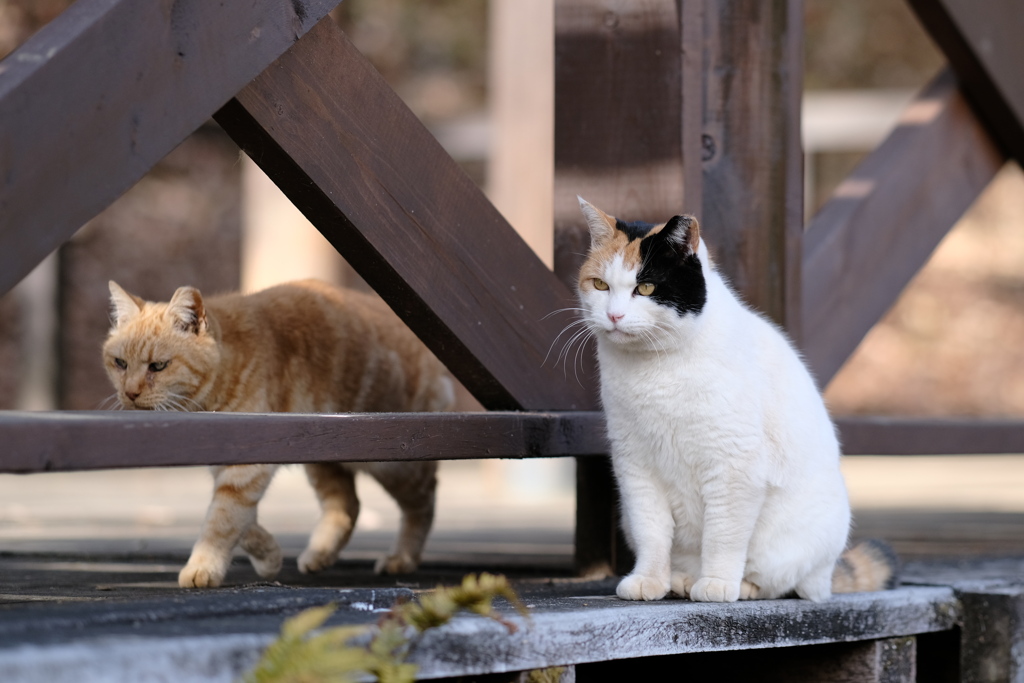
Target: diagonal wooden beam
{"type": "Point", "coordinates": [323, 124]}
{"type": "Point", "coordinates": [107, 89]}
{"type": "Point", "coordinates": [982, 41]}
{"type": "Point", "coordinates": [883, 222]}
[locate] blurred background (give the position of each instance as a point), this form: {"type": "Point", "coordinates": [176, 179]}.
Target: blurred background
{"type": "Point", "coordinates": [478, 74]}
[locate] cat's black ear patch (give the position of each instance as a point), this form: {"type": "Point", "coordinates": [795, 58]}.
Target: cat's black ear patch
{"type": "Point", "coordinates": [683, 232]}
{"type": "Point", "coordinates": [668, 262]}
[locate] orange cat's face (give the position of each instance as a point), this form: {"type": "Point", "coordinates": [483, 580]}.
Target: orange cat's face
{"type": "Point", "coordinates": [160, 356]}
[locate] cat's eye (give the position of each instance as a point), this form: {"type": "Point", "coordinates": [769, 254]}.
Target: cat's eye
{"type": "Point", "coordinates": [157, 366]}
{"type": "Point", "coordinates": [119, 362]}
{"type": "Point", "coordinates": [645, 289]}
{"type": "Point", "coordinates": [600, 284]}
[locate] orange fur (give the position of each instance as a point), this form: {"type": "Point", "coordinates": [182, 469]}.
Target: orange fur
{"type": "Point", "coordinates": [298, 347]}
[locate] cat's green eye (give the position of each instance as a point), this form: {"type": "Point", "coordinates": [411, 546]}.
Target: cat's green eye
{"type": "Point", "coordinates": [645, 289]}
{"type": "Point", "coordinates": [157, 366]}
{"type": "Point", "coordinates": [119, 362]}
{"type": "Point", "coordinates": [600, 284]}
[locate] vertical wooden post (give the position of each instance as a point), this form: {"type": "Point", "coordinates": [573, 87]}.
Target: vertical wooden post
{"type": "Point", "coordinates": [619, 142]}
{"type": "Point", "coordinates": [753, 165]}
{"type": "Point", "coordinates": [673, 106]}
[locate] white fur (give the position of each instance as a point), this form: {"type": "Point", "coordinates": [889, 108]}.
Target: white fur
{"type": "Point", "coordinates": [725, 456]}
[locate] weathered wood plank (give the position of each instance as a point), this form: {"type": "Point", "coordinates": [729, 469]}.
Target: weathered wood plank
{"type": "Point", "coordinates": [37, 442]}
{"type": "Point", "coordinates": [992, 635]}
{"type": "Point", "coordinates": [940, 436]}
{"type": "Point", "coordinates": [85, 640]}
{"type": "Point", "coordinates": [982, 43]}
{"type": "Point", "coordinates": [324, 125]}
{"type": "Point", "coordinates": [598, 629]}
{"type": "Point", "coordinates": [753, 163]}
{"type": "Point", "coordinates": [107, 89]}
{"type": "Point", "coordinates": [886, 218]}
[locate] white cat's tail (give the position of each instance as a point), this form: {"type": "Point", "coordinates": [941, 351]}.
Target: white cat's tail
{"type": "Point", "coordinates": [868, 566]}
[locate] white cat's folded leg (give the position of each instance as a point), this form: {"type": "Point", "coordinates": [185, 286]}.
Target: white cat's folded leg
{"type": "Point", "coordinates": [237, 490]}
{"type": "Point", "coordinates": [413, 485]}
{"type": "Point", "coordinates": [647, 513]}
{"type": "Point", "coordinates": [731, 508]}
{"type": "Point", "coordinates": [335, 488]}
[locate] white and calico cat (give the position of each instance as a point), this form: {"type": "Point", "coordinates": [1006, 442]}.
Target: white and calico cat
{"type": "Point", "coordinates": [726, 459]}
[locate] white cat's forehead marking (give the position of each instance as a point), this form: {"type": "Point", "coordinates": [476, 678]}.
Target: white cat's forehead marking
{"type": "Point", "coordinates": [617, 273]}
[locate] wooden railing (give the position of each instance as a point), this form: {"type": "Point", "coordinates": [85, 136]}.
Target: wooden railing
{"type": "Point", "coordinates": [660, 106]}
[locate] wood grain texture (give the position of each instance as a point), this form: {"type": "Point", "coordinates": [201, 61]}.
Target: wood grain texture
{"type": "Point", "coordinates": [909, 436]}
{"type": "Point", "coordinates": [103, 92]}
{"type": "Point", "coordinates": [752, 186]}
{"type": "Point", "coordinates": [324, 125]}
{"type": "Point", "coordinates": [982, 42]}
{"type": "Point", "coordinates": [883, 222]}
{"type": "Point", "coordinates": [580, 630]}
{"type": "Point", "coordinates": [65, 441]}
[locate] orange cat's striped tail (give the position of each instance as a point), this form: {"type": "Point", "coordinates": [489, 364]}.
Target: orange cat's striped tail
{"type": "Point", "coordinates": [868, 566]}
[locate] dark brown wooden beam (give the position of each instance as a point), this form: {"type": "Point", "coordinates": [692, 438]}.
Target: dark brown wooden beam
{"type": "Point", "coordinates": [357, 162]}
{"type": "Point", "coordinates": [883, 222]}
{"type": "Point", "coordinates": [982, 41]}
{"type": "Point", "coordinates": [107, 89]}
{"type": "Point", "coordinates": [908, 436]}
{"type": "Point", "coordinates": [38, 442]}
{"type": "Point", "coordinates": [752, 154]}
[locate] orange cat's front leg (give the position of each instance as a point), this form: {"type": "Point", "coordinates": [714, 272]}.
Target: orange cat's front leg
{"type": "Point", "coordinates": [230, 521]}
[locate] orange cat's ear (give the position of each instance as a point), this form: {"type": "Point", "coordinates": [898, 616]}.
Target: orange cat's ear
{"type": "Point", "coordinates": [186, 310]}
{"type": "Point", "coordinates": [602, 226]}
{"type": "Point", "coordinates": [123, 306]}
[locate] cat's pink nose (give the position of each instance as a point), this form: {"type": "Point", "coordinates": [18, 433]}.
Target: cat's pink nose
{"type": "Point", "coordinates": [616, 317]}
{"type": "Point", "coordinates": [132, 395]}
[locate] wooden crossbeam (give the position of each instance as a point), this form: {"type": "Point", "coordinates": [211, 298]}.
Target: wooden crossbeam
{"type": "Point", "coordinates": [323, 124]}
{"type": "Point", "coordinates": [938, 436]}
{"type": "Point", "coordinates": [106, 90]}
{"type": "Point", "coordinates": [883, 222]}
{"type": "Point", "coordinates": [982, 41]}
{"type": "Point", "coordinates": [38, 442]}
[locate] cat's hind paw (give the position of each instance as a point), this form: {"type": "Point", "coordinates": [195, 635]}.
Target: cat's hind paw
{"type": "Point", "coordinates": [748, 590]}
{"type": "Point", "coordinates": [638, 587]}
{"type": "Point", "coordinates": [681, 583]}
{"type": "Point", "coordinates": [399, 563]}
{"type": "Point", "coordinates": [710, 589]}
{"type": "Point", "coordinates": [312, 561]}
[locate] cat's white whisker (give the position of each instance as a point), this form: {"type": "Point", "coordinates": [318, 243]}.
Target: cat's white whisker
{"type": "Point", "coordinates": [565, 329]}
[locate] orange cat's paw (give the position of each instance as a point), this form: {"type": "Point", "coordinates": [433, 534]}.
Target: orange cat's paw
{"type": "Point", "coordinates": [637, 587]}
{"type": "Point", "coordinates": [195, 576]}
{"type": "Point", "coordinates": [711, 589]}
{"type": "Point", "coordinates": [312, 561]}
{"type": "Point", "coordinates": [399, 563]}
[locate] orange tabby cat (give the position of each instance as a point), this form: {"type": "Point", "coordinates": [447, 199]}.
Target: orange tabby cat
{"type": "Point", "coordinates": [298, 347]}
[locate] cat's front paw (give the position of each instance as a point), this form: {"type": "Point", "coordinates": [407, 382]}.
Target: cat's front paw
{"type": "Point", "coordinates": [681, 583]}
{"type": "Point", "coordinates": [312, 561]}
{"type": "Point", "coordinates": [638, 587]}
{"type": "Point", "coordinates": [198, 575]}
{"type": "Point", "coordinates": [710, 589]}
{"type": "Point", "coordinates": [399, 563]}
